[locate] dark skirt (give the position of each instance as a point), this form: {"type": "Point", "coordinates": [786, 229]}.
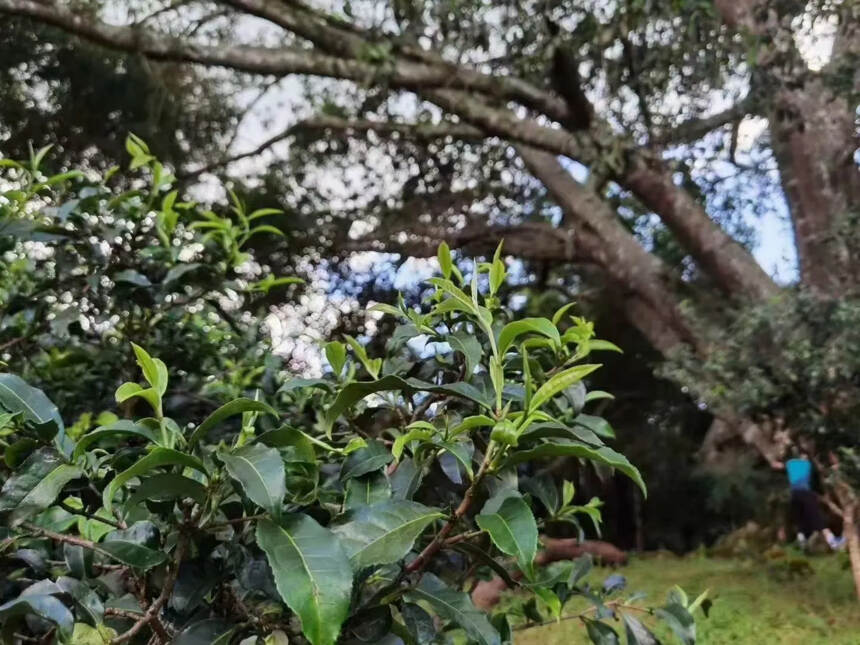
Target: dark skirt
{"type": "Point", "coordinates": [806, 512]}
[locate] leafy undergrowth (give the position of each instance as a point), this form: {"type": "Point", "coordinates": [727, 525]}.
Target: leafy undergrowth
{"type": "Point", "coordinates": [753, 602]}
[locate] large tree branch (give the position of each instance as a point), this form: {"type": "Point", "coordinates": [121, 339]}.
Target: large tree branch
{"type": "Point", "coordinates": [318, 29]}
{"type": "Point", "coordinates": [281, 61]}
{"type": "Point", "coordinates": [644, 173]}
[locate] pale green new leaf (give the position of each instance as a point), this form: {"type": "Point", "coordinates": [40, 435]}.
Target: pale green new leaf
{"type": "Point", "coordinates": [513, 330]}
{"type": "Point", "coordinates": [559, 382]}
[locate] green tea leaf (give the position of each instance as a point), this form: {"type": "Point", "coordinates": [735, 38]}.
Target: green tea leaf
{"type": "Point", "coordinates": [312, 574]}
{"type": "Point", "coordinates": [457, 607]}
{"type": "Point", "coordinates": [366, 490]}
{"type": "Point", "coordinates": [44, 606]}
{"type": "Point", "coordinates": [513, 529]}
{"type": "Point", "coordinates": [383, 533]}
{"type": "Point", "coordinates": [18, 397]}
{"type": "Point", "coordinates": [158, 457]}
{"type": "Point", "coordinates": [234, 407]}
{"type": "Point", "coordinates": [133, 554]}
{"type": "Point", "coordinates": [36, 484]}
{"type": "Point", "coordinates": [513, 330]}
{"type": "Point", "coordinates": [260, 472]}
{"type": "Point", "coordinates": [168, 486]}
{"type": "Point", "coordinates": [121, 428]}
{"type": "Point", "coordinates": [603, 455]}
{"type": "Point", "coordinates": [365, 460]}
{"type": "Point", "coordinates": [559, 382]}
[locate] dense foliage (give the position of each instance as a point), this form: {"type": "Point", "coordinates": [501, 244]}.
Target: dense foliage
{"type": "Point", "coordinates": [354, 509]}
{"type": "Point", "coordinates": [89, 265]}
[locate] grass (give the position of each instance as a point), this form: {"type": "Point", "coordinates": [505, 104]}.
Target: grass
{"type": "Point", "coordinates": [753, 602]}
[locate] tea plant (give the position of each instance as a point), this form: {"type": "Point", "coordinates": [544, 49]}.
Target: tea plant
{"type": "Point", "coordinates": [357, 512]}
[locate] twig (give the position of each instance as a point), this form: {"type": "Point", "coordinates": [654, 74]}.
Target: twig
{"type": "Point", "coordinates": [614, 604]}
{"type": "Point", "coordinates": [75, 511]}
{"type": "Point", "coordinates": [431, 549]}
{"type": "Point", "coordinates": [151, 615]}
{"type": "Point", "coordinates": [462, 537]}
{"type": "Point", "coordinates": [238, 520]}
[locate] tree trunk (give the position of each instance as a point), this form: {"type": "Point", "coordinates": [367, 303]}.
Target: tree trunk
{"type": "Point", "coordinates": [852, 539]}
{"type": "Point", "coordinates": [644, 283]}
{"type": "Point", "coordinates": [814, 139]}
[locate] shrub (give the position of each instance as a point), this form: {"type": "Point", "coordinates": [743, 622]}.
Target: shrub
{"type": "Point", "coordinates": [354, 510]}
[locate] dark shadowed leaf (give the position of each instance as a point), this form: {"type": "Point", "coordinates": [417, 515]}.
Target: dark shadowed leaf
{"type": "Point", "coordinates": [204, 632]}
{"type": "Point", "coordinates": [419, 623]}
{"type": "Point", "coordinates": [602, 455]}
{"type": "Point", "coordinates": [312, 574]}
{"type": "Point", "coordinates": [44, 606]}
{"type": "Point", "coordinates": [601, 633]}
{"type": "Point", "coordinates": [237, 406]}
{"type": "Point", "coordinates": [36, 484]}
{"type": "Point", "coordinates": [476, 552]}
{"type": "Point", "coordinates": [543, 487]}
{"type": "Point", "coordinates": [456, 607]}
{"type": "Point", "coordinates": [406, 479]}
{"type": "Point", "coordinates": [87, 601]}
{"type": "Point", "coordinates": [365, 460]}
{"type": "Point", "coordinates": [370, 625]}
{"type": "Point", "coordinates": [168, 486]}
{"type": "Point", "coordinates": [132, 554]}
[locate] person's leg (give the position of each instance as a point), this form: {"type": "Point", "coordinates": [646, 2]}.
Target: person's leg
{"type": "Point", "coordinates": [798, 517]}
{"type": "Point", "coordinates": [813, 519]}
{"type": "Point", "coordinates": [833, 542]}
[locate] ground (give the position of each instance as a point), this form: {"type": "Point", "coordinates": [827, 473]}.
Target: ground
{"type": "Point", "coordinates": [754, 602]}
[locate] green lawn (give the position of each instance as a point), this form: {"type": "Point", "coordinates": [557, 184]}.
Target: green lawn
{"type": "Point", "coordinates": [753, 603]}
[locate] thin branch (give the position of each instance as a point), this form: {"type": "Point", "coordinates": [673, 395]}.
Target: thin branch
{"type": "Point", "coordinates": [238, 520]}
{"type": "Point", "coordinates": [151, 615]}
{"type": "Point", "coordinates": [615, 604]}
{"type": "Point", "coordinates": [417, 131]}
{"type": "Point", "coordinates": [90, 516]}
{"type": "Point", "coordinates": [465, 504]}
{"type": "Point", "coordinates": [694, 129]}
